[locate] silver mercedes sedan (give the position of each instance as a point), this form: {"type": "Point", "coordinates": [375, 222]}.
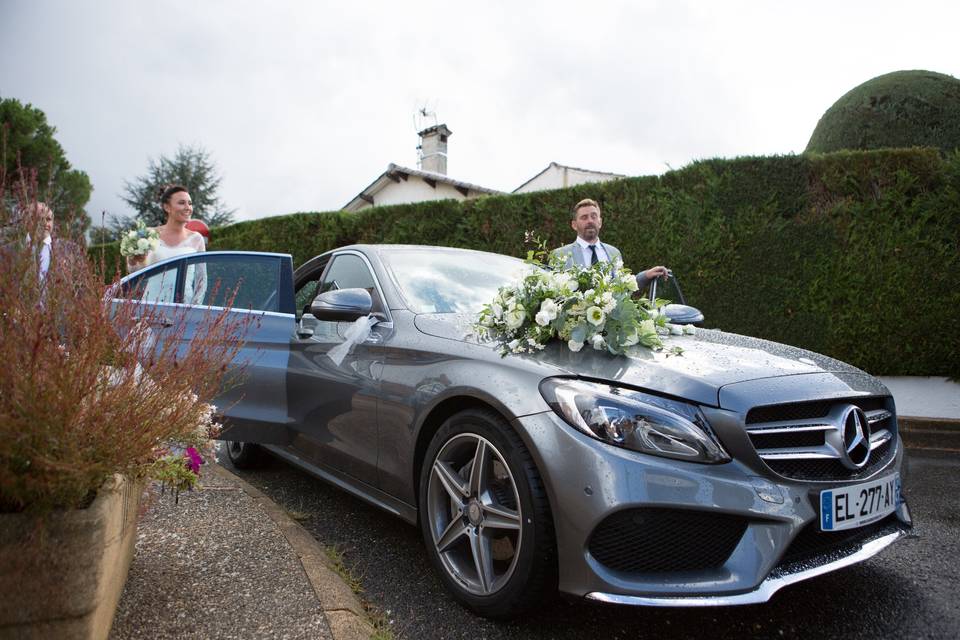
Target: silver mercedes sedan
{"type": "Point", "coordinates": [715, 477]}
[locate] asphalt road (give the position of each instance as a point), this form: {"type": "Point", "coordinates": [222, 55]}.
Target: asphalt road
{"type": "Point", "coordinates": [909, 591]}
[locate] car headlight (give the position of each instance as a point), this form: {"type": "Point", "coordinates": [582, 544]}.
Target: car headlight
{"type": "Point", "coordinates": [634, 420]}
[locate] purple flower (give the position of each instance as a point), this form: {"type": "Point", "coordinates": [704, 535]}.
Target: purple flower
{"type": "Point", "coordinates": [193, 460]}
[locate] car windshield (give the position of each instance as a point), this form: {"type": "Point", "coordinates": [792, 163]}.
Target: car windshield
{"type": "Point", "coordinates": [434, 280]}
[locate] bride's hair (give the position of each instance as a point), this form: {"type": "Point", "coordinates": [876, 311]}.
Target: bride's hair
{"type": "Point", "coordinates": [166, 191]}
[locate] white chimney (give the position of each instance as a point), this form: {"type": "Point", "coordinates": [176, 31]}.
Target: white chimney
{"type": "Point", "coordinates": [433, 148]}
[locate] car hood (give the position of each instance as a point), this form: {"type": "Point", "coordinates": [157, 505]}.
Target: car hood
{"type": "Point", "coordinates": [710, 360]}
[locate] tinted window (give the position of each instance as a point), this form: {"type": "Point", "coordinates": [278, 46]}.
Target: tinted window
{"type": "Point", "coordinates": [241, 282]}
{"type": "Point", "coordinates": [451, 281]}
{"type": "Point", "coordinates": [351, 272]}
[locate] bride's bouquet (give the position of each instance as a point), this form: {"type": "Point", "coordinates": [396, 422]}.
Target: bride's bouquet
{"type": "Point", "coordinates": [139, 240]}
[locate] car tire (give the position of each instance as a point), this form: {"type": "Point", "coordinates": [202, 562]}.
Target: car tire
{"type": "Point", "coordinates": [489, 535]}
{"type": "Point", "coordinates": [243, 455]}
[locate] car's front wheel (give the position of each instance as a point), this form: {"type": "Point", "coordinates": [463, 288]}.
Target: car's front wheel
{"type": "Point", "coordinates": [485, 516]}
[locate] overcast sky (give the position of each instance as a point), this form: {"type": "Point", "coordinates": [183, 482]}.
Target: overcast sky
{"type": "Point", "coordinates": [303, 104]}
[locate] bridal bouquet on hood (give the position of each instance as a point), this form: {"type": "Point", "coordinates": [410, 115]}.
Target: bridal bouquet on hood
{"type": "Point", "coordinates": [582, 306]}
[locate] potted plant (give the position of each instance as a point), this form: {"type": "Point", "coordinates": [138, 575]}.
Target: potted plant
{"type": "Point", "coordinates": [91, 404]}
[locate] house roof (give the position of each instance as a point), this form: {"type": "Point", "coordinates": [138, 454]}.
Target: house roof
{"type": "Point", "coordinates": [557, 165]}
{"type": "Point", "coordinates": [396, 173]}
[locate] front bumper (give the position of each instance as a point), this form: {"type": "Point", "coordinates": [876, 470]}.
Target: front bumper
{"type": "Point", "coordinates": [588, 481]}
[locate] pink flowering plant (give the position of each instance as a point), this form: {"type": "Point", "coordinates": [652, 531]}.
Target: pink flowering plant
{"type": "Point", "coordinates": [177, 463]}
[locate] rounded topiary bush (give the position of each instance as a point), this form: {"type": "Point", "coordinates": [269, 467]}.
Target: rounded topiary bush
{"type": "Point", "coordinates": [899, 109]}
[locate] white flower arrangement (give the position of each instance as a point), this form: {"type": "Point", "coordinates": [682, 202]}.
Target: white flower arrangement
{"type": "Point", "coordinates": [578, 305]}
{"type": "Point", "coordinates": [139, 240]}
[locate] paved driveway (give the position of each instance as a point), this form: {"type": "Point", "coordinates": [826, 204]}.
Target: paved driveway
{"type": "Point", "coordinates": [910, 590]}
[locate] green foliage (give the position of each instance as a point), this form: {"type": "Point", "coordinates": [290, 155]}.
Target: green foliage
{"type": "Point", "coordinates": [191, 167]}
{"type": "Point", "coordinates": [32, 159]}
{"type": "Point", "coordinates": [895, 110]}
{"type": "Point", "coordinates": [851, 254]}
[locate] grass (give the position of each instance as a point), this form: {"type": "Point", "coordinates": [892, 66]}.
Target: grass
{"type": "Point", "coordinates": [379, 620]}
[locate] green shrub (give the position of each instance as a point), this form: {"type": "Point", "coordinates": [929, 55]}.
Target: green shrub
{"type": "Point", "coordinates": [899, 109]}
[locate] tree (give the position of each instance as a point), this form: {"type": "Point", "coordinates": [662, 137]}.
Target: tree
{"type": "Point", "coordinates": [34, 166]}
{"type": "Point", "coordinates": [191, 167]}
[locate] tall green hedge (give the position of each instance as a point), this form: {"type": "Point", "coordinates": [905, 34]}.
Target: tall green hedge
{"type": "Point", "coordinates": [851, 254]}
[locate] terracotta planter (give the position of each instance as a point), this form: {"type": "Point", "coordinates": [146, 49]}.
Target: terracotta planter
{"type": "Point", "coordinates": [68, 583]}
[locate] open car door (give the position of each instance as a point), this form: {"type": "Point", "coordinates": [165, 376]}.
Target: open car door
{"type": "Point", "coordinates": [256, 291]}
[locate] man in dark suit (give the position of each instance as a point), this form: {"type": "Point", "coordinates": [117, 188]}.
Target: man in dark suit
{"type": "Point", "coordinates": [587, 249]}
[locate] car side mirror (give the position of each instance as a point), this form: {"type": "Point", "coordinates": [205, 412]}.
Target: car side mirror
{"type": "Point", "coordinates": [341, 305]}
{"type": "Point", "coordinates": [683, 314]}
{"type": "Point", "coordinates": [680, 313]}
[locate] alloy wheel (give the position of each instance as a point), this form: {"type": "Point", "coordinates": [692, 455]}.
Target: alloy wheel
{"type": "Point", "coordinates": [474, 512]}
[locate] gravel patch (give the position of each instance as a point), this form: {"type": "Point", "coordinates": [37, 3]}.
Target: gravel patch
{"type": "Point", "coordinates": [215, 566]}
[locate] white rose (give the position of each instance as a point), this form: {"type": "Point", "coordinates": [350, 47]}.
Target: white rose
{"type": "Point", "coordinates": [132, 235]}
{"type": "Point", "coordinates": [542, 318]}
{"type": "Point", "coordinates": [574, 345]}
{"type": "Point", "coordinates": [142, 244]}
{"type": "Point", "coordinates": [514, 317]}
{"type": "Point", "coordinates": [595, 316]}
{"type": "Point", "coordinates": [496, 310]}
{"type": "Point", "coordinates": [689, 329]}
{"type": "Point", "coordinates": [630, 282]}
{"type": "Point", "coordinates": [675, 329]}
{"type": "Point", "coordinates": [598, 342]}
{"type": "Point", "coordinates": [550, 308]}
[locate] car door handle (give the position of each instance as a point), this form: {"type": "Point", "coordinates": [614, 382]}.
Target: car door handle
{"type": "Point", "coordinates": [156, 320]}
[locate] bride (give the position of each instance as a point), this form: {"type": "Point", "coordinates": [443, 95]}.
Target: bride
{"type": "Point", "coordinates": [175, 240]}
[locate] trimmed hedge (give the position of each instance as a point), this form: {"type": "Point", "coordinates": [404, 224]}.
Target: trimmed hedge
{"type": "Point", "coordinates": [900, 109]}
{"type": "Point", "coordinates": [851, 254]}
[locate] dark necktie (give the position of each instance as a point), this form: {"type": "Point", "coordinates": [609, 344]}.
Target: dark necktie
{"type": "Point", "coordinates": [593, 255]}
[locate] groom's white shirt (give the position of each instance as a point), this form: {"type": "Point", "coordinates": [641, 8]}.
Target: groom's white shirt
{"type": "Point", "coordinates": [588, 255]}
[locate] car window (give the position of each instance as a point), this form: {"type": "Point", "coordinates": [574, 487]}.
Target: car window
{"type": "Point", "coordinates": [349, 271]}
{"type": "Point", "coordinates": [240, 282]}
{"type": "Point", "coordinates": [159, 286]}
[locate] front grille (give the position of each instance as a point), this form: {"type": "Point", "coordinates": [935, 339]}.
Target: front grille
{"type": "Point", "coordinates": [657, 540]}
{"type": "Point", "coordinates": [792, 411]}
{"type": "Point", "coordinates": [810, 409]}
{"type": "Point", "coordinates": [805, 440]}
{"type": "Point", "coordinates": [788, 440]}
{"type": "Point", "coordinates": [822, 470]}
{"type": "Point", "coordinates": [812, 543]}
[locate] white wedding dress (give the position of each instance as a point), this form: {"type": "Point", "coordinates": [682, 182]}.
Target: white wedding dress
{"type": "Point", "coordinates": [195, 282]}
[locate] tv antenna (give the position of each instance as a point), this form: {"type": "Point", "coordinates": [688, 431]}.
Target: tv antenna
{"type": "Point", "coordinates": [425, 117]}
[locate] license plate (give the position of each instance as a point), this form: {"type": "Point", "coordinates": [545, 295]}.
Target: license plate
{"type": "Point", "coordinates": [859, 504]}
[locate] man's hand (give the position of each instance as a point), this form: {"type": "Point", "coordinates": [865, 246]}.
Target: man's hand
{"type": "Point", "coordinates": [656, 272]}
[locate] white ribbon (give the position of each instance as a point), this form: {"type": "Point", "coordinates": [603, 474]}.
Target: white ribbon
{"type": "Point", "coordinates": [357, 333]}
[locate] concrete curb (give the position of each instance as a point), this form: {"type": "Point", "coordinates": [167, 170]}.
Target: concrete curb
{"type": "Point", "coordinates": [942, 434]}
{"type": "Point", "coordinates": [340, 605]}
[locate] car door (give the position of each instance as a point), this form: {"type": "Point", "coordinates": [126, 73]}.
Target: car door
{"type": "Point", "coordinates": [252, 292]}
{"type": "Point", "coordinates": [333, 407]}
